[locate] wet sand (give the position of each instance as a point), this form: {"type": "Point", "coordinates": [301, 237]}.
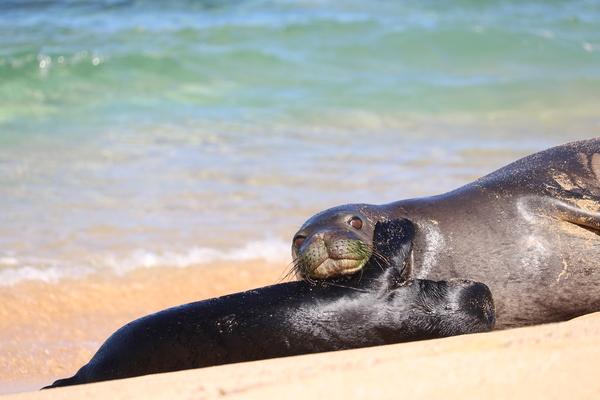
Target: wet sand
{"type": "Point", "coordinates": [554, 361]}
{"type": "Point", "coordinates": [48, 331]}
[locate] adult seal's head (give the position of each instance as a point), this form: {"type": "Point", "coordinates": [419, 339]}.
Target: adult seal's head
{"type": "Point", "coordinates": [335, 242]}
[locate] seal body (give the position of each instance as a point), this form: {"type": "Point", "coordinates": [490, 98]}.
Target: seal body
{"type": "Point", "coordinates": [378, 307]}
{"type": "Point", "coordinates": [530, 231]}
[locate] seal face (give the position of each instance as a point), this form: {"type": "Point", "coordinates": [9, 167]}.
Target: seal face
{"type": "Point", "coordinates": [333, 243]}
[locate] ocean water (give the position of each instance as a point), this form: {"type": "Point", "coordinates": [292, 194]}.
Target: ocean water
{"type": "Point", "coordinates": [136, 134]}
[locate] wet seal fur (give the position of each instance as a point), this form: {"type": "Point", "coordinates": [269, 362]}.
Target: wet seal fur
{"type": "Point", "coordinates": [379, 307]}
{"type": "Point", "coordinates": [530, 231]}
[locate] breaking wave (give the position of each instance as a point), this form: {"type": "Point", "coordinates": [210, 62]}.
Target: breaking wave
{"type": "Point", "coordinates": [14, 269]}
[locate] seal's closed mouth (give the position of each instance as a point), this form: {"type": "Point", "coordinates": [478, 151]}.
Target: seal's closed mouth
{"type": "Point", "coordinates": [337, 267]}
{"type": "Point", "coordinates": [337, 259]}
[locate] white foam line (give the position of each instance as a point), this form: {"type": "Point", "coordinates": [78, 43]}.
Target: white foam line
{"type": "Point", "coordinates": [12, 276]}
{"type": "Point", "coordinates": [16, 270]}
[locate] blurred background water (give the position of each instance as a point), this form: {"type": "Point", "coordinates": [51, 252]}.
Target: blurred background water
{"type": "Point", "coordinates": [141, 133]}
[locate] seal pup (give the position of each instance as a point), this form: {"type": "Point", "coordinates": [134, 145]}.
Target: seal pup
{"type": "Point", "coordinates": [530, 231]}
{"type": "Point", "coordinates": [379, 307]}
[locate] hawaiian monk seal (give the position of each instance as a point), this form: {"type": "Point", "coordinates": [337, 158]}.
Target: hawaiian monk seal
{"type": "Point", "coordinates": [379, 307]}
{"type": "Point", "coordinates": [530, 231]}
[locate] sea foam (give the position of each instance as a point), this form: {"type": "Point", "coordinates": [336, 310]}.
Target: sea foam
{"type": "Point", "coordinates": [16, 269]}
{"type": "Point", "coordinates": [269, 250]}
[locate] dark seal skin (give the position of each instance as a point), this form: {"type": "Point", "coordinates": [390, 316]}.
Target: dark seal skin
{"type": "Point", "coordinates": [530, 231]}
{"type": "Point", "coordinates": [373, 308]}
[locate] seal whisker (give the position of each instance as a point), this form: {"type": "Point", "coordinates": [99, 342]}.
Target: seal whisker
{"type": "Point", "coordinates": [347, 287]}
{"type": "Point", "coordinates": [378, 257]}
{"type": "Point", "coordinates": [291, 269]}
{"type": "Point", "coordinates": [287, 275]}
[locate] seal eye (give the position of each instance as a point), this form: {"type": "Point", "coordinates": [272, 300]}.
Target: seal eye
{"type": "Point", "coordinates": [298, 240]}
{"type": "Point", "coordinates": [355, 222]}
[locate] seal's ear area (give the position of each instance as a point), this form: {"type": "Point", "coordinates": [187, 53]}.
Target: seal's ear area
{"type": "Point", "coordinates": [392, 241]}
{"type": "Point", "coordinates": [474, 301]}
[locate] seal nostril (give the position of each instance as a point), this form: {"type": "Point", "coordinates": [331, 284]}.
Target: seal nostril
{"type": "Point", "coordinates": [355, 222]}
{"type": "Point", "coordinates": [298, 240]}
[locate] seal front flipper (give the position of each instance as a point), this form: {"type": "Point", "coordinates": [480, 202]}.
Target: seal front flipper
{"type": "Point", "coordinates": [576, 215]}
{"type": "Point", "coordinates": [562, 210]}
{"type": "Point", "coordinates": [392, 249]}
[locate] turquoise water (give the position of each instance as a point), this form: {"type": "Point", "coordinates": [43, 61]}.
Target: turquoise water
{"type": "Point", "coordinates": [137, 134]}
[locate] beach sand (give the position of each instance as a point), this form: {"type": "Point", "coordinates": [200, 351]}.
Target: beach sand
{"type": "Point", "coordinates": [554, 361]}
{"type": "Point", "coordinates": [49, 330]}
